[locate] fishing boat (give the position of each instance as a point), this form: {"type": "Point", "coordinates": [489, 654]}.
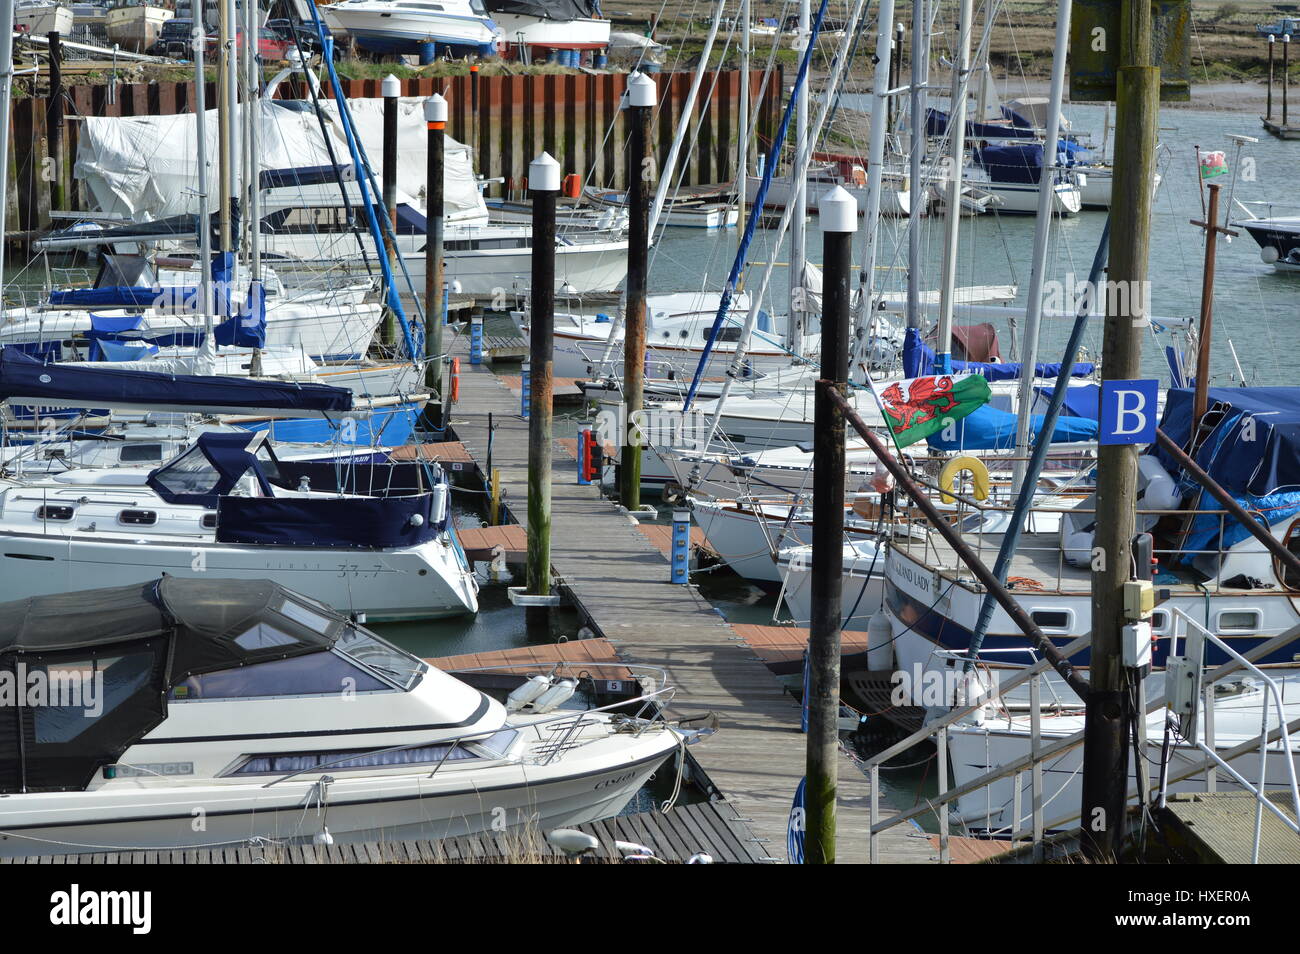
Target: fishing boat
{"type": "Point", "coordinates": [220, 700]}
{"type": "Point", "coordinates": [455, 27]}
{"type": "Point", "coordinates": [532, 27]}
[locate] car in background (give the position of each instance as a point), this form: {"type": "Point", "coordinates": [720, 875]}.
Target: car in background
{"type": "Point", "coordinates": [174, 39]}
{"type": "Point", "coordinates": [306, 34]}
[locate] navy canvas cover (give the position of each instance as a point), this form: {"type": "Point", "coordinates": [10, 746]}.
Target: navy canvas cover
{"type": "Point", "coordinates": [345, 522]}
{"type": "Point", "coordinates": [918, 361]}
{"type": "Point", "coordinates": [1012, 162]}
{"type": "Point", "coordinates": [78, 386]}
{"type": "Point", "coordinates": [936, 124]}
{"type": "Point", "coordinates": [1254, 450]}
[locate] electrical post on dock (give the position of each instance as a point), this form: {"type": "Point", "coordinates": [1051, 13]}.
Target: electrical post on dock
{"type": "Point", "coordinates": [435, 298]}
{"type": "Point", "coordinates": [391, 88]}
{"type": "Point", "coordinates": [838, 212]}
{"type": "Point", "coordinates": [1109, 705]}
{"type": "Point", "coordinates": [642, 94]}
{"type": "Point", "coordinates": [544, 181]}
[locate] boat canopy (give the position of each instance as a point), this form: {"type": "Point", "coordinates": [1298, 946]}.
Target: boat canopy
{"type": "Point", "coordinates": [27, 381]}
{"type": "Point", "coordinates": [87, 673]}
{"type": "Point", "coordinates": [990, 428]}
{"type": "Point", "coordinates": [918, 361]}
{"type": "Point", "coordinates": [545, 9]}
{"type": "Point", "coordinates": [936, 124]}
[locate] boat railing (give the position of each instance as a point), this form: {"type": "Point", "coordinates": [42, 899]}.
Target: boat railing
{"type": "Point", "coordinates": [1056, 567]}
{"type": "Point", "coordinates": [565, 723]}
{"type": "Point", "coordinates": [1196, 635]}
{"type": "Point", "coordinates": [1036, 824]}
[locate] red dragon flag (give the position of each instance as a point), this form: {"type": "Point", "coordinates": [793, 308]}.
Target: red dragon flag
{"type": "Point", "coordinates": [919, 407]}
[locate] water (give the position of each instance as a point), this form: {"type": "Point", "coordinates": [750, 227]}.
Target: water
{"type": "Point", "coordinates": [1253, 302]}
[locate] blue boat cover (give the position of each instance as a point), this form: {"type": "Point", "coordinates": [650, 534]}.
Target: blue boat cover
{"type": "Point", "coordinates": [1080, 401]}
{"type": "Point", "coordinates": [936, 124]}
{"type": "Point", "coordinates": [114, 296]}
{"type": "Point", "coordinates": [305, 175]}
{"type": "Point", "coordinates": [1254, 450]}
{"type": "Point", "coordinates": [347, 522]}
{"type": "Point", "coordinates": [80, 386]}
{"type": "Point", "coordinates": [918, 361]}
{"type": "Point", "coordinates": [988, 428]}
{"type": "Point", "coordinates": [1012, 162]}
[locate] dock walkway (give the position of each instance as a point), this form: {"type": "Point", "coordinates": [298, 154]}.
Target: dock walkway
{"type": "Point", "coordinates": [619, 580]}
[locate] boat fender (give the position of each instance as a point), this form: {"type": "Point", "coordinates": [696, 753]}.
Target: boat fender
{"type": "Point", "coordinates": [455, 380]}
{"type": "Point", "coordinates": [555, 696]}
{"type": "Point", "coordinates": [972, 465]}
{"type": "Point", "coordinates": [441, 505]}
{"type": "Point", "coordinates": [526, 693]}
{"type": "Point", "coordinates": [880, 643]}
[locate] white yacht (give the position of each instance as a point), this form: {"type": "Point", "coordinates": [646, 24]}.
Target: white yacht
{"type": "Point", "coordinates": [529, 27]}
{"type": "Point", "coordinates": [218, 723]}
{"type": "Point", "coordinates": [228, 506]}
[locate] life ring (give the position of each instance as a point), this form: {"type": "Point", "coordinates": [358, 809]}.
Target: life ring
{"type": "Point", "coordinates": [455, 382]}
{"type": "Point", "coordinates": [972, 465]}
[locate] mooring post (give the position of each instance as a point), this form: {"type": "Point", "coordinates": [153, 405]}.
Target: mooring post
{"type": "Point", "coordinates": [435, 296]}
{"type": "Point", "coordinates": [54, 123]}
{"type": "Point", "coordinates": [544, 181]}
{"type": "Point", "coordinates": [839, 221]}
{"type": "Point", "coordinates": [1268, 111]}
{"type": "Point", "coordinates": [642, 94]}
{"type": "Point", "coordinates": [391, 88]}
{"type": "Point", "coordinates": [1286, 73]}
{"type": "Point", "coordinates": [1106, 734]}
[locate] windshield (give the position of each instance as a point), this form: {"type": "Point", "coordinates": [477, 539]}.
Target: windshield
{"type": "Point", "coordinates": [369, 650]}
{"type": "Point", "coordinates": [191, 473]}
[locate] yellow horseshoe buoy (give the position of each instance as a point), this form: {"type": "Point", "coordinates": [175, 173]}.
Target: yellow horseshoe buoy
{"type": "Point", "coordinates": [968, 464]}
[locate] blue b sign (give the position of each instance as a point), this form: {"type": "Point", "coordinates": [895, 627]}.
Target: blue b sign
{"type": "Point", "coordinates": [1128, 412]}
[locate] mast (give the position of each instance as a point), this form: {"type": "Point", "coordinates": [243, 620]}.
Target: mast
{"type": "Point", "coordinates": [6, 103]}
{"type": "Point", "coordinates": [875, 175]}
{"type": "Point", "coordinates": [956, 156]}
{"type": "Point", "coordinates": [742, 151]}
{"type": "Point", "coordinates": [799, 182]}
{"type": "Point", "coordinates": [252, 120]}
{"type": "Point", "coordinates": [916, 188]}
{"type": "Point", "coordinates": [683, 124]}
{"type": "Point", "coordinates": [205, 207]}
{"type": "Point", "coordinates": [225, 118]}
{"type": "Point", "coordinates": [1042, 228]}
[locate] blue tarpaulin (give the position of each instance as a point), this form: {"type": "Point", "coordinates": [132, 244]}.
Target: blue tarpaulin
{"type": "Point", "coordinates": [1080, 401]}
{"type": "Point", "coordinates": [918, 361]}
{"type": "Point", "coordinates": [1254, 450]}
{"type": "Point", "coordinates": [988, 428]}
{"type": "Point", "coordinates": [349, 522]}
{"type": "Point", "coordinates": [25, 380]}
{"type": "Point", "coordinates": [936, 124]}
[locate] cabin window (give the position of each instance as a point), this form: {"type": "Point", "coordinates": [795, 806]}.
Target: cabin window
{"type": "Point", "coordinates": [76, 693]}
{"type": "Point", "coordinates": [1159, 621]}
{"type": "Point", "coordinates": [370, 651]}
{"type": "Point", "coordinates": [262, 636]}
{"type": "Point", "coordinates": [138, 518]}
{"type": "Point", "coordinates": [209, 521]}
{"type": "Point", "coordinates": [1238, 621]}
{"type": "Point", "coordinates": [316, 674]}
{"type": "Point", "coordinates": [54, 512]}
{"type": "Point", "coordinates": [1052, 620]}
{"type": "Point", "coordinates": [726, 334]}
{"type": "Point", "coordinates": [135, 453]}
{"type": "Point", "coordinates": [354, 759]}
{"type": "Point", "coordinates": [305, 617]}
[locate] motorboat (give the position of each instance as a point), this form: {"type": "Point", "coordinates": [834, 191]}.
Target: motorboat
{"type": "Point", "coordinates": [455, 27]}
{"type": "Point", "coordinates": [1278, 238]}
{"type": "Point", "coordinates": [228, 506]}
{"type": "Point", "coordinates": [197, 713]}
{"type": "Point", "coordinates": [532, 26]}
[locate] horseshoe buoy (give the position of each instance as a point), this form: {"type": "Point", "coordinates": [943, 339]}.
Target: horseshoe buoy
{"type": "Point", "coordinates": [966, 464]}
{"type": "Point", "coordinates": [455, 383]}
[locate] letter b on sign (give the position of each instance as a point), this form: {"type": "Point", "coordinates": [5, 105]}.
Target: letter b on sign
{"type": "Point", "coordinates": [1128, 412]}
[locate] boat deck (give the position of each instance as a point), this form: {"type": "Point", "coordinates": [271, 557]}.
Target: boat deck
{"type": "Point", "coordinates": [620, 581]}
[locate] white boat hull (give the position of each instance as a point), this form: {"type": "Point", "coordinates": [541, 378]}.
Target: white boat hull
{"type": "Point", "coordinates": [582, 34]}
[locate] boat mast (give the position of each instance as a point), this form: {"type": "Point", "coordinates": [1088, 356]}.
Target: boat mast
{"type": "Point", "coordinates": [953, 174]}
{"type": "Point", "coordinates": [742, 151]}
{"type": "Point", "coordinates": [1042, 227]}
{"type": "Point", "coordinates": [6, 89]}
{"type": "Point", "coordinates": [683, 124]}
{"type": "Point", "coordinates": [916, 187]}
{"type": "Point", "coordinates": [204, 211]}
{"type": "Point", "coordinates": [252, 119]}
{"type": "Point", "coordinates": [875, 179]}
{"type": "Point", "coordinates": [225, 119]}
{"type": "Point", "coordinates": [799, 182]}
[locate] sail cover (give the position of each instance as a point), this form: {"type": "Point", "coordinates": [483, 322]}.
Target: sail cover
{"type": "Point", "coordinates": [26, 381]}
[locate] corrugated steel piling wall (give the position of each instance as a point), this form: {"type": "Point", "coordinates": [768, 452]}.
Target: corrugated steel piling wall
{"type": "Point", "coordinates": [571, 115]}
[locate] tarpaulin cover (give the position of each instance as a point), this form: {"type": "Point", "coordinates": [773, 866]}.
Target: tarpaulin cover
{"type": "Point", "coordinates": [93, 386]}
{"type": "Point", "coordinates": [989, 428]}
{"type": "Point", "coordinates": [936, 124]}
{"type": "Point", "coordinates": [345, 522]}
{"type": "Point", "coordinates": [918, 361]}
{"type": "Point", "coordinates": [1254, 450]}
{"type": "Point", "coordinates": [143, 639]}
{"type": "Point", "coordinates": [971, 342]}
{"type": "Point", "coordinates": [544, 9]}
{"type": "Point", "coordinates": [1014, 162]}
{"type": "Point", "coordinates": [305, 175]}
{"type": "Point", "coordinates": [1080, 401]}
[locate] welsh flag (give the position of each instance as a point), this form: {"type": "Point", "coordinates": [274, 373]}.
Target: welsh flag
{"type": "Point", "coordinates": [919, 407]}
{"type": "Point", "coordinates": [1213, 164]}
